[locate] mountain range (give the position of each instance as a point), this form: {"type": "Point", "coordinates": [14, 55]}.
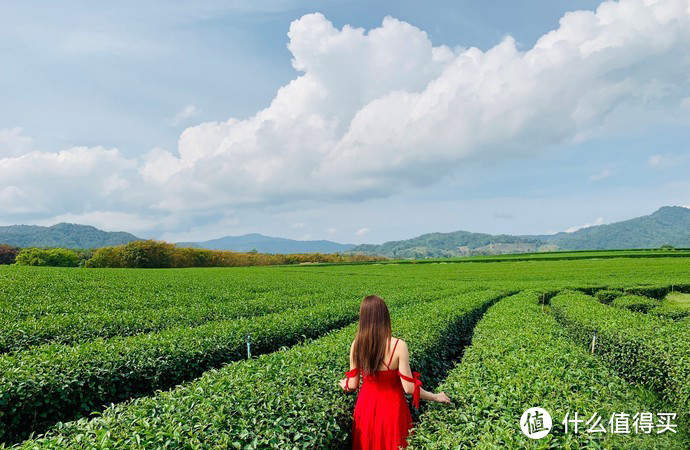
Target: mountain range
{"type": "Point", "coordinates": [269, 244]}
{"type": "Point", "coordinates": [670, 225]}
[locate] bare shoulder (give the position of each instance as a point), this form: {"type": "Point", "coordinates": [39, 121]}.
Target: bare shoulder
{"type": "Point", "coordinates": [402, 345]}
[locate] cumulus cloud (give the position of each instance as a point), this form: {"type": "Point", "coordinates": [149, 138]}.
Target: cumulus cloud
{"type": "Point", "coordinates": [13, 142]}
{"type": "Point", "coordinates": [375, 112]}
{"type": "Point", "coordinates": [379, 111]}
{"type": "Point", "coordinates": [598, 221]}
{"type": "Point", "coordinates": [72, 180]}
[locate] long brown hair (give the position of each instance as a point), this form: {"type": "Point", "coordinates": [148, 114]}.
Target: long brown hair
{"type": "Point", "coordinates": [373, 334]}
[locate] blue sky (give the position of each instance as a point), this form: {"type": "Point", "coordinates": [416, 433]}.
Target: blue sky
{"type": "Point", "coordinates": [591, 128]}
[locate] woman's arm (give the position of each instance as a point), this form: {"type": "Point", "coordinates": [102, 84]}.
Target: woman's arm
{"type": "Point", "coordinates": [353, 382]}
{"type": "Point", "coordinates": [404, 368]}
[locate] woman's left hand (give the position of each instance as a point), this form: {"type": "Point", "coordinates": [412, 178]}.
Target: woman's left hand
{"type": "Point", "coordinates": [342, 383]}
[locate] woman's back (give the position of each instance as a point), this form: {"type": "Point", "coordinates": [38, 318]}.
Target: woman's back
{"type": "Point", "coordinates": [392, 363]}
{"type": "Point", "coordinates": [382, 418]}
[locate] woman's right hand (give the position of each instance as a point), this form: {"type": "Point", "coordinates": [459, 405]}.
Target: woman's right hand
{"type": "Point", "coordinates": [441, 397]}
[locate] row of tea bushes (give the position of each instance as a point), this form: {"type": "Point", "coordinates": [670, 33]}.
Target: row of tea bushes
{"type": "Point", "coordinates": [607, 296]}
{"type": "Point", "coordinates": [73, 328]}
{"type": "Point", "coordinates": [286, 399]}
{"type": "Point", "coordinates": [639, 303]}
{"type": "Point", "coordinates": [675, 306]}
{"type": "Point", "coordinates": [38, 292]}
{"type": "Point", "coordinates": [57, 382]}
{"type": "Point", "coordinates": [40, 306]}
{"type": "Point", "coordinates": [670, 311]}
{"type": "Point", "coordinates": [641, 347]}
{"type": "Point", "coordinates": [636, 303]}
{"type": "Point", "coordinates": [520, 358]}
{"type": "Point", "coordinates": [654, 292]}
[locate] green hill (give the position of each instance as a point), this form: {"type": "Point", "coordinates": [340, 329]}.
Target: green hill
{"type": "Point", "coordinates": [670, 225]}
{"type": "Point", "coordinates": [65, 235]}
{"type": "Point", "coordinates": [457, 243]}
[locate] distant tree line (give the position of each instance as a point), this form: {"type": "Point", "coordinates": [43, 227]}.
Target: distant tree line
{"type": "Point", "coordinates": [58, 257]}
{"type": "Point", "coordinates": [159, 254]}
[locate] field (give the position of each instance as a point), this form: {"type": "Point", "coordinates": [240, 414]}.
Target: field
{"type": "Point", "coordinates": [158, 358]}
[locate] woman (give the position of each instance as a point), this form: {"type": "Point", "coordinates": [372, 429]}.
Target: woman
{"type": "Point", "coordinates": [382, 419]}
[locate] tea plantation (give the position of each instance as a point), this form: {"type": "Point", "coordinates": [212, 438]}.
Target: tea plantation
{"type": "Point", "coordinates": [249, 357]}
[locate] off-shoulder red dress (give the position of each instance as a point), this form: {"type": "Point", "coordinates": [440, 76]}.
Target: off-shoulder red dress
{"type": "Point", "coordinates": [382, 420]}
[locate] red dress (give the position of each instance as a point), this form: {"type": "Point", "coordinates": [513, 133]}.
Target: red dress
{"type": "Point", "coordinates": [382, 420]}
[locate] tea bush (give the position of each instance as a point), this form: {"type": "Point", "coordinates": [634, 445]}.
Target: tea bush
{"type": "Point", "coordinates": [520, 358]}
{"type": "Point", "coordinates": [606, 296]}
{"type": "Point", "coordinates": [635, 303]}
{"type": "Point", "coordinates": [284, 399]}
{"type": "Point", "coordinates": [643, 348]}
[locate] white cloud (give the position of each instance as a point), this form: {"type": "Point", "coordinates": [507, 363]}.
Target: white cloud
{"type": "Point", "coordinates": [13, 200]}
{"type": "Point", "coordinates": [158, 165]}
{"type": "Point", "coordinates": [377, 112]}
{"type": "Point", "coordinates": [13, 142]}
{"type": "Point", "coordinates": [332, 230]}
{"type": "Point", "coordinates": [72, 180]}
{"type": "Point", "coordinates": [362, 231]}
{"type": "Point", "coordinates": [110, 221]}
{"type": "Point", "coordinates": [601, 175]}
{"type": "Point", "coordinates": [185, 113]}
{"type": "Point", "coordinates": [299, 225]}
{"type": "Point", "coordinates": [599, 221]}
